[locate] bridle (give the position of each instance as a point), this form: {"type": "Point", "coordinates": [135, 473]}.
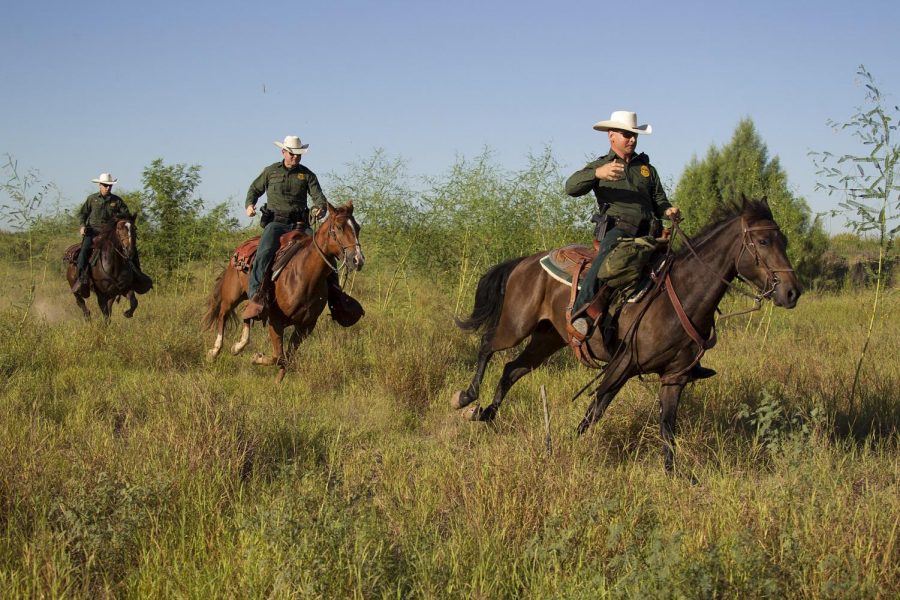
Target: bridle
{"type": "Point", "coordinates": [749, 246]}
{"type": "Point", "coordinates": [333, 234]}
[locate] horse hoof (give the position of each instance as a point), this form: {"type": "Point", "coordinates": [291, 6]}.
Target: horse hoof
{"type": "Point", "coordinates": [473, 413]}
{"type": "Point", "coordinates": [460, 400]}
{"type": "Point", "coordinates": [280, 377]}
{"type": "Point", "coordinates": [212, 353]}
{"type": "Point", "coordinates": [236, 349]}
{"type": "Point", "coordinates": [128, 314]}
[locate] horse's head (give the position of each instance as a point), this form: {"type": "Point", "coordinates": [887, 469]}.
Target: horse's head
{"type": "Point", "coordinates": [763, 258]}
{"type": "Point", "coordinates": [126, 236]}
{"type": "Point", "coordinates": [343, 236]}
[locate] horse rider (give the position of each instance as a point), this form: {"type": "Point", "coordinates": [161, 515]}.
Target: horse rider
{"type": "Point", "coordinates": [286, 184]}
{"type": "Point", "coordinates": [101, 208]}
{"type": "Point", "coordinates": [631, 202]}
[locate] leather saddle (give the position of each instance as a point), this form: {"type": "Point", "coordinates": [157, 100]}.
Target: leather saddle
{"type": "Point", "coordinates": [288, 245]}
{"type": "Point", "coordinates": [562, 263]}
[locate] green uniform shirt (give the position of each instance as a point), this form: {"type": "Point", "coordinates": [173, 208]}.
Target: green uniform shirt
{"type": "Point", "coordinates": [638, 196]}
{"type": "Point", "coordinates": [286, 189]}
{"type": "Point", "coordinates": [98, 210]}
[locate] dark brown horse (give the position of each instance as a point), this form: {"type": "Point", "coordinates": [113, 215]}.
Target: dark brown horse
{"type": "Point", "coordinates": [300, 290]}
{"type": "Point", "coordinates": [518, 299]}
{"type": "Point", "coordinates": [112, 274]}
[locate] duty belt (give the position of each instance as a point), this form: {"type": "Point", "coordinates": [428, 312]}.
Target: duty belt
{"type": "Point", "coordinates": [287, 218]}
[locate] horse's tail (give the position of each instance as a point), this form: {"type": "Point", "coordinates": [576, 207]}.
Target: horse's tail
{"type": "Point", "coordinates": [214, 303]}
{"type": "Point", "coordinates": [489, 297]}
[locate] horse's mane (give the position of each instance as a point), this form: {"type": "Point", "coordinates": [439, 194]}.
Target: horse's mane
{"type": "Point", "coordinates": [754, 210]}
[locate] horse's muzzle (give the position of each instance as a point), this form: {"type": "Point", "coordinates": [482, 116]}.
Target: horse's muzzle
{"type": "Point", "coordinates": [356, 259]}
{"type": "Point", "coordinates": [787, 295]}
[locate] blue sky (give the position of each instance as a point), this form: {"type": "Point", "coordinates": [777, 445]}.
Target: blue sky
{"type": "Point", "coordinates": [103, 86]}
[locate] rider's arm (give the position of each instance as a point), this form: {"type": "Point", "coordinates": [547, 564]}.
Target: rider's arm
{"type": "Point", "coordinates": [658, 194]}
{"type": "Point", "coordinates": [85, 212]}
{"type": "Point", "coordinates": [257, 189]}
{"type": "Point", "coordinates": [583, 181]}
{"type": "Point", "coordinates": [317, 196]}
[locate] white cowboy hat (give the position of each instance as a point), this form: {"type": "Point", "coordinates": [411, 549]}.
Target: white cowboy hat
{"type": "Point", "coordinates": [105, 179]}
{"type": "Point", "coordinates": [624, 120]}
{"type": "Point", "coordinates": [293, 145]}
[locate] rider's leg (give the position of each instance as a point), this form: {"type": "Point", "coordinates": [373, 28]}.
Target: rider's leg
{"type": "Point", "coordinates": [268, 244]}
{"type": "Point", "coordinates": [84, 255]}
{"type": "Point", "coordinates": [590, 284]}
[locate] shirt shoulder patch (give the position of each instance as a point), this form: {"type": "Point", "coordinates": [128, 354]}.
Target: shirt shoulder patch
{"type": "Point", "coordinates": [301, 176]}
{"type": "Point", "coordinates": [645, 170]}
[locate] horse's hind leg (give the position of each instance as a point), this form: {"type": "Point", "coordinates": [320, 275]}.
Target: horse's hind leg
{"type": "Point", "coordinates": [276, 335]}
{"type": "Point", "coordinates": [239, 345]}
{"type": "Point", "coordinates": [545, 342]}
{"type": "Point", "coordinates": [133, 304]}
{"type": "Point", "coordinates": [461, 399]}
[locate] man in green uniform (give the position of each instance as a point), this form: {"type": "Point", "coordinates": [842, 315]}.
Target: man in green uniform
{"type": "Point", "coordinates": [631, 202]}
{"type": "Point", "coordinates": [99, 209]}
{"type": "Point", "coordinates": [286, 184]}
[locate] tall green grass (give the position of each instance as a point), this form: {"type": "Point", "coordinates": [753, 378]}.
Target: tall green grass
{"type": "Point", "coordinates": [130, 466]}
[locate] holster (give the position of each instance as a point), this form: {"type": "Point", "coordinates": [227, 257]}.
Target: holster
{"type": "Point", "coordinates": [266, 215]}
{"type": "Point", "coordinates": [601, 224]}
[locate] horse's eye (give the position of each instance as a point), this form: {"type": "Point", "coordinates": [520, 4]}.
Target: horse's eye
{"type": "Point", "coordinates": [763, 241]}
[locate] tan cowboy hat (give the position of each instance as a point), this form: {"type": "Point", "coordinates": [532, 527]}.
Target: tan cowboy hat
{"type": "Point", "coordinates": [293, 145]}
{"type": "Point", "coordinates": [624, 120]}
{"type": "Point", "coordinates": [105, 179]}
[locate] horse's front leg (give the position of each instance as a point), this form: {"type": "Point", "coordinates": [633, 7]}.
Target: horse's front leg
{"type": "Point", "coordinates": [669, 395]}
{"type": "Point", "coordinates": [297, 336]}
{"type": "Point", "coordinates": [133, 303]}
{"type": "Point", "coordinates": [105, 303]}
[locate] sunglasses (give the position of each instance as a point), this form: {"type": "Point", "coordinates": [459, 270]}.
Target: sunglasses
{"type": "Point", "coordinates": [626, 134]}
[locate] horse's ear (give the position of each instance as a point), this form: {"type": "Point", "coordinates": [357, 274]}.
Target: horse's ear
{"type": "Point", "coordinates": [743, 201]}
{"type": "Point", "coordinates": [348, 207]}
{"type": "Point", "coordinates": [764, 201]}
{"type": "Point", "coordinates": [330, 206]}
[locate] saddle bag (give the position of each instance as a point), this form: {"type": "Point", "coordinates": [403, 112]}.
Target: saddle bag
{"type": "Point", "coordinates": [626, 262]}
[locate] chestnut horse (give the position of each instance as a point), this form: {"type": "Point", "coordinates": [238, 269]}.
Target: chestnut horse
{"type": "Point", "coordinates": [300, 290]}
{"type": "Point", "coordinates": [112, 275]}
{"type": "Point", "coordinates": [517, 299]}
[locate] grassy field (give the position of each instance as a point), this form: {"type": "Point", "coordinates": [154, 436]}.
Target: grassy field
{"type": "Point", "coordinates": [130, 466]}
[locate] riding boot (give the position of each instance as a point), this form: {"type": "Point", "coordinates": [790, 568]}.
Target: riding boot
{"type": "Point", "coordinates": [256, 307]}
{"type": "Point", "coordinates": [77, 284]}
{"type": "Point", "coordinates": [585, 316]}
{"type": "Point", "coordinates": [700, 372]}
